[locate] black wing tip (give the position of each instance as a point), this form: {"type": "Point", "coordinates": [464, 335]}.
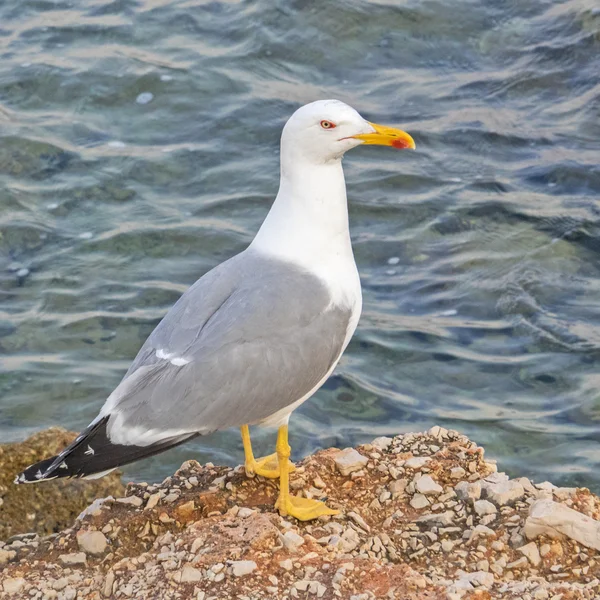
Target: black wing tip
{"type": "Point", "coordinates": [36, 472]}
{"type": "Point", "coordinates": [92, 455]}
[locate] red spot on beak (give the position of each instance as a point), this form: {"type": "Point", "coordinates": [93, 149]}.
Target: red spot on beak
{"type": "Point", "coordinates": [400, 144]}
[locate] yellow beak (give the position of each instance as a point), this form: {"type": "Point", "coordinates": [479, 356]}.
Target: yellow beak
{"type": "Point", "coordinates": [387, 136]}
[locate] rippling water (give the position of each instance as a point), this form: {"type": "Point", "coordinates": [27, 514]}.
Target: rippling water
{"type": "Point", "coordinates": [139, 148]}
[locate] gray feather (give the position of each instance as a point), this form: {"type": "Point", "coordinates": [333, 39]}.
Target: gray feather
{"type": "Point", "coordinates": [259, 334]}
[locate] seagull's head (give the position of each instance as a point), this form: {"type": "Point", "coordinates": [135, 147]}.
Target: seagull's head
{"type": "Point", "coordinates": [322, 131]}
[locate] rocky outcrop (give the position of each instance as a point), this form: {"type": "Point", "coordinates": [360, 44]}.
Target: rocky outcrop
{"type": "Point", "coordinates": [210, 533]}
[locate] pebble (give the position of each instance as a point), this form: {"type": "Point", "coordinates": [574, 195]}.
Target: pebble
{"type": "Point", "coordinates": [419, 501]}
{"type": "Point", "coordinates": [550, 518]}
{"type": "Point", "coordinates": [382, 443]}
{"type": "Point", "coordinates": [444, 519]}
{"type": "Point", "coordinates": [484, 507]}
{"type": "Point", "coordinates": [416, 462]}
{"type": "Point", "coordinates": [131, 500]}
{"type": "Point", "coordinates": [349, 460]}
{"type": "Point", "coordinates": [153, 500]}
{"type": "Point", "coordinates": [190, 574]}
{"type": "Point", "coordinates": [457, 473]}
{"type": "Point", "coordinates": [92, 542]}
{"type": "Point", "coordinates": [13, 585]}
{"type": "Point", "coordinates": [75, 558]}
{"type": "Point", "coordinates": [6, 555]}
{"type": "Point", "coordinates": [359, 521]}
{"type": "Point", "coordinates": [502, 492]}
{"type": "Point", "coordinates": [292, 541]}
{"type": "Point", "coordinates": [244, 512]}
{"type": "Point", "coordinates": [243, 567]}
{"type": "Point", "coordinates": [532, 553]}
{"type": "Point", "coordinates": [468, 491]}
{"type": "Point", "coordinates": [427, 486]}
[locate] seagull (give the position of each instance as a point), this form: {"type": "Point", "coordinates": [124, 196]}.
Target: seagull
{"type": "Point", "coordinates": [257, 335]}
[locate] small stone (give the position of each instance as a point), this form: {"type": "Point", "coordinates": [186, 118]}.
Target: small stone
{"type": "Point", "coordinates": [349, 460]}
{"type": "Point", "coordinates": [447, 545]}
{"type": "Point", "coordinates": [131, 500]}
{"type": "Point", "coordinates": [398, 486]}
{"type": "Point", "coordinates": [531, 552]}
{"type": "Point", "coordinates": [6, 555]}
{"type": "Point", "coordinates": [292, 541]}
{"type": "Point", "coordinates": [427, 486]}
{"type": "Point", "coordinates": [545, 549]}
{"type": "Point", "coordinates": [359, 521]}
{"type": "Point", "coordinates": [60, 584]}
{"type": "Point", "coordinates": [13, 585]}
{"type": "Point", "coordinates": [480, 579]}
{"type": "Point", "coordinates": [76, 558]}
{"type": "Point", "coordinates": [242, 567]}
{"type": "Point", "coordinates": [502, 493]}
{"type": "Point", "coordinates": [245, 512]}
{"type": "Point", "coordinates": [382, 443]}
{"type": "Point", "coordinates": [484, 507]}
{"type": "Point", "coordinates": [518, 564]}
{"type": "Point", "coordinates": [457, 473]}
{"type": "Point", "coordinates": [416, 462]}
{"type": "Point", "coordinates": [92, 542]}
{"type": "Point", "coordinates": [419, 501]}
{"type": "Point", "coordinates": [107, 590]}
{"type": "Point", "coordinates": [190, 574]}
{"type": "Point", "coordinates": [287, 564]}
{"type": "Point", "coordinates": [153, 500]}
{"type": "Point", "coordinates": [445, 519]}
{"type": "Point", "coordinates": [468, 491]}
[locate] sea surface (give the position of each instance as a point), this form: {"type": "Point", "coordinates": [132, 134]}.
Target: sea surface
{"type": "Point", "coordinates": [139, 148]}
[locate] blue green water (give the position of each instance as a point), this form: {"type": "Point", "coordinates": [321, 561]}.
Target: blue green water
{"type": "Point", "coordinates": [139, 148]}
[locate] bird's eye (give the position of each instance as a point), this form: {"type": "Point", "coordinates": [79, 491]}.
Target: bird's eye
{"type": "Point", "coordinates": [327, 125]}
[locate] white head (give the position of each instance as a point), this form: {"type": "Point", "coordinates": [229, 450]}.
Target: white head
{"type": "Point", "coordinates": [322, 131]}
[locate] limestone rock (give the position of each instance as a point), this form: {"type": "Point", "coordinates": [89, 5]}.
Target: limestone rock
{"type": "Point", "coordinates": [532, 552]}
{"type": "Point", "coordinates": [190, 574]}
{"type": "Point", "coordinates": [484, 507]}
{"type": "Point", "coordinates": [75, 558]}
{"type": "Point", "coordinates": [382, 443]}
{"type": "Point", "coordinates": [416, 462]}
{"type": "Point", "coordinates": [444, 519]}
{"type": "Point", "coordinates": [557, 521]}
{"type": "Point", "coordinates": [349, 460]}
{"type": "Point", "coordinates": [240, 568]}
{"type": "Point", "coordinates": [427, 486]}
{"type": "Point", "coordinates": [91, 542]}
{"type": "Point", "coordinates": [419, 501]}
{"type": "Point", "coordinates": [13, 585]}
{"type": "Point", "coordinates": [292, 541]}
{"type": "Point", "coordinates": [468, 491]}
{"type": "Point", "coordinates": [500, 490]}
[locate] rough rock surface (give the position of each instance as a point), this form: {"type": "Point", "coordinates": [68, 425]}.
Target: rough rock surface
{"type": "Point", "coordinates": [53, 506]}
{"type": "Point", "coordinates": [210, 533]}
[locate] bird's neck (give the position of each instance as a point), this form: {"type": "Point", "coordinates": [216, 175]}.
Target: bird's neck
{"type": "Point", "coordinates": [308, 221]}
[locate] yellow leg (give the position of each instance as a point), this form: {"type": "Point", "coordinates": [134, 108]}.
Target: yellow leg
{"type": "Point", "coordinates": [267, 466]}
{"type": "Point", "coordinates": [303, 509]}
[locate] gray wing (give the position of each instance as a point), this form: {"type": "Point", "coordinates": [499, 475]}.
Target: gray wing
{"type": "Point", "coordinates": [251, 337]}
